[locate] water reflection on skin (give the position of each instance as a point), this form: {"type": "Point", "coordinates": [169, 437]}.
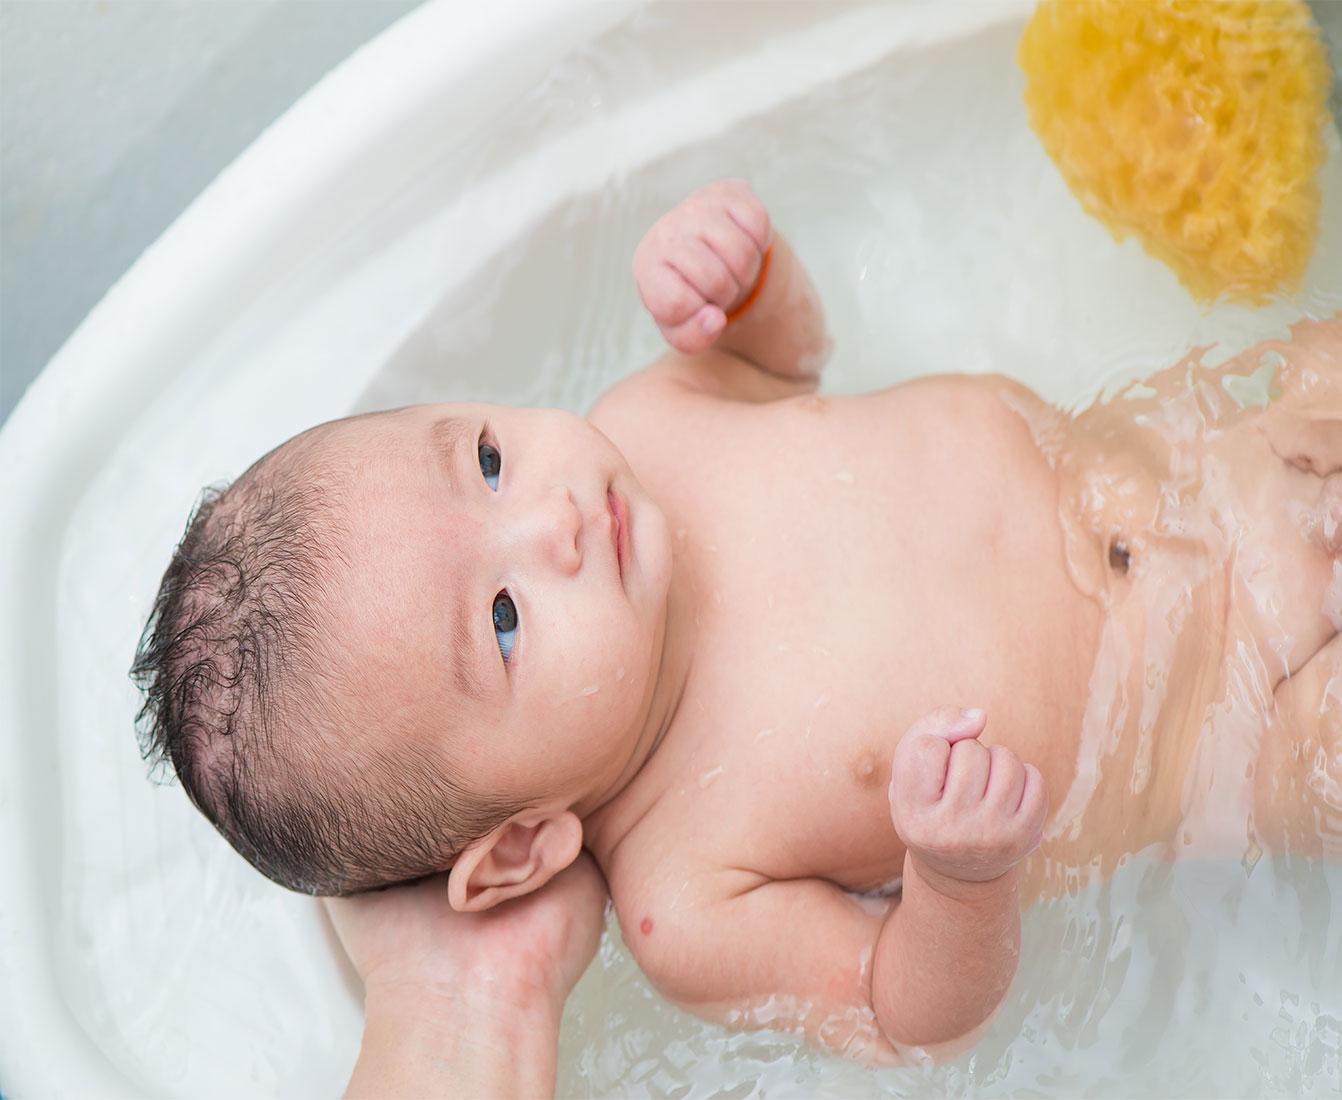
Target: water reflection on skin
{"type": "Point", "coordinates": [1211, 536]}
{"type": "Point", "coordinates": [1176, 492]}
{"type": "Point", "coordinates": [1200, 508]}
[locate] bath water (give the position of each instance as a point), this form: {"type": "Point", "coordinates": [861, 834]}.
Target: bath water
{"type": "Point", "coordinates": [941, 239]}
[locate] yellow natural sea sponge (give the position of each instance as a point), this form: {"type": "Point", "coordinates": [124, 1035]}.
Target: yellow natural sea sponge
{"type": "Point", "coordinates": [1196, 125]}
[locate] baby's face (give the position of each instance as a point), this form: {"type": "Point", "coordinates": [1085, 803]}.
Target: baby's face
{"type": "Point", "coordinates": [507, 602]}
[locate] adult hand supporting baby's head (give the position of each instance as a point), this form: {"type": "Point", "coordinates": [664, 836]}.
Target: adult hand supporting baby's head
{"type": "Point", "coordinates": [409, 939]}
{"type": "Point", "coordinates": [467, 1004]}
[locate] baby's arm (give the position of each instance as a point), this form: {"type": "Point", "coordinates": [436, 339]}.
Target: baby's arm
{"type": "Point", "coordinates": [968, 815]}
{"type": "Point", "coordinates": [753, 952]}
{"type": "Point", "coordinates": [713, 272]}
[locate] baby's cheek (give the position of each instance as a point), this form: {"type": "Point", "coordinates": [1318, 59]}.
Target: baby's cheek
{"type": "Point", "coordinates": [632, 652]}
{"type": "Point", "coordinates": [613, 695]}
{"type": "Point", "coordinates": [598, 667]}
{"type": "Point", "coordinates": [607, 671]}
{"type": "Point", "coordinates": [603, 686]}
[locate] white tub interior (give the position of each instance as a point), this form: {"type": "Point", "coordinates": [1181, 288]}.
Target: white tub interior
{"type": "Point", "coordinates": [449, 215]}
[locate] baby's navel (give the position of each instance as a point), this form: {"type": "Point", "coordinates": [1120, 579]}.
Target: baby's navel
{"type": "Point", "coordinates": [1119, 558]}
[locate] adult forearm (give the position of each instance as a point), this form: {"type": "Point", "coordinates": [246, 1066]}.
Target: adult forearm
{"type": "Point", "coordinates": [783, 330]}
{"type": "Point", "coordinates": [945, 958]}
{"type": "Point", "coordinates": [464, 1045]}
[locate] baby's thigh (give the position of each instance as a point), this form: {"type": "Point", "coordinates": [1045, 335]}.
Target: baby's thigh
{"type": "Point", "coordinates": [1309, 441]}
{"type": "Point", "coordinates": [1280, 524]}
{"type": "Point", "coordinates": [1303, 422]}
{"type": "Point", "coordinates": [1298, 776]}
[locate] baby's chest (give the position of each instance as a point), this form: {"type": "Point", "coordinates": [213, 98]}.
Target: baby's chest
{"type": "Point", "coordinates": [785, 769]}
{"type": "Point", "coordinates": [849, 574]}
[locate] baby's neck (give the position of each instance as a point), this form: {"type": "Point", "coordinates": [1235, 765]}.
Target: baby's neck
{"type": "Point", "coordinates": [673, 674]}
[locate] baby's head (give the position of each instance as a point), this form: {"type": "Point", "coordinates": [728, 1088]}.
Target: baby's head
{"type": "Point", "coordinates": [409, 641]}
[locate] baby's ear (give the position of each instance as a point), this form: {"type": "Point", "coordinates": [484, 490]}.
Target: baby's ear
{"type": "Point", "coordinates": [521, 855]}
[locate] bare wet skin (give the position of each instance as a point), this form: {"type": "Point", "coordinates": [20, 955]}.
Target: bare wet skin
{"type": "Point", "coordinates": [1195, 514]}
{"type": "Point", "coordinates": [1139, 595]}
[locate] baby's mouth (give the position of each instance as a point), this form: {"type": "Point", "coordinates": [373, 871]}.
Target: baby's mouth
{"type": "Point", "coordinates": [620, 531]}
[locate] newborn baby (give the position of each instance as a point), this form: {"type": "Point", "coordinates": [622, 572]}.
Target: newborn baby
{"type": "Point", "coordinates": [710, 632]}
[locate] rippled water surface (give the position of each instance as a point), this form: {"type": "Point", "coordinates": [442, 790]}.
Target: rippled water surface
{"type": "Point", "coordinates": [941, 239]}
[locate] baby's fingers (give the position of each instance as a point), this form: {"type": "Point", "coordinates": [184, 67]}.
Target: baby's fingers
{"type": "Point", "coordinates": [967, 775]}
{"type": "Point", "coordinates": [1033, 807]}
{"type": "Point", "coordinates": [706, 271]}
{"type": "Point", "coordinates": [1006, 780]}
{"type": "Point", "coordinates": [952, 723]}
{"type": "Point", "coordinates": [737, 251]}
{"type": "Point", "coordinates": [688, 323]}
{"type": "Point", "coordinates": [924, 750]}
{"type": "Point", "coordinates": [698, 333]}
{"type": "Point", "coordinates": [919, 770]}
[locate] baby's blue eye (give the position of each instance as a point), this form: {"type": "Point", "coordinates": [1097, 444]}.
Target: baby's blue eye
{"type": "Point", "coordinates": [505, 623]}
{"type": "Point", "coordinates": [491, 462]}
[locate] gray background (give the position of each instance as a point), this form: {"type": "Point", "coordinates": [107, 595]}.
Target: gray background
{"type": "Point", "coordinates": [114, 115]}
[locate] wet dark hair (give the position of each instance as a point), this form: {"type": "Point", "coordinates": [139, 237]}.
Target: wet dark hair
{"type": "Point", "coordinates": [245, 698]}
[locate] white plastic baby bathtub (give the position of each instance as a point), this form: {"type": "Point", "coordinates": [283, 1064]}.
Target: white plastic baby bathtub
{"type": "Point", "coordinates": [451, 214]}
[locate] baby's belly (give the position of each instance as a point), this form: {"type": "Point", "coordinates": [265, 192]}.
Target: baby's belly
{"type": "Point", "coordinates": [1159, 528]}
{"type": "Point", "coordinates": [934, 575]}
{"type": "Point", "coordinates": [1161, 670]}
{"type": "Point", "coordinates": [986, 612]}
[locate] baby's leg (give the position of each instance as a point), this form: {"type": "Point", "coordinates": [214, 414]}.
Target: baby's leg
{"type": "Point", "coordinates": [1285, 561]}
{"type": "Point", "coordinates": [1313, 446]}
{"type": "Point", "coordinates": [1298, 777]}
{"type": "Point", "coordinates": [1279, 463]}
{"type": "Point", "coordinates": [1304, 423]}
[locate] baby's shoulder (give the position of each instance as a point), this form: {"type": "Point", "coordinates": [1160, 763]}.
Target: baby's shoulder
{"type": "Point", "coordinates": [636, 399]}
{"type": "Point", "coordinates": [640, 849]}
{"type": "Point", "coordinates": [714, 382]}
{"type": "Point", "coordinates": [653, 415]}
{"type": "Point", "coordinates": [664, 893]}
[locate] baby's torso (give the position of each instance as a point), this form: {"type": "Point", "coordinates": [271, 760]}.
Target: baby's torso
{"type": "Point", "coordinates": [1178, 509]}
{"type": "Point", "coordinates": [1120, 590]}
{"type": "Point", "coordinates": [855, 563]}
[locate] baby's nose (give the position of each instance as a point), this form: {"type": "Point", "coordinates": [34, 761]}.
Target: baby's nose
{"type": "Point", "coordinates": [556, 526]}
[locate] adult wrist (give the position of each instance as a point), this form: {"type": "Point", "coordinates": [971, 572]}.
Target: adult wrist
{"type": "Point", "coordinates": [425, 1039]}
{"type": "Point", "coordinates": [437, 1003]}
